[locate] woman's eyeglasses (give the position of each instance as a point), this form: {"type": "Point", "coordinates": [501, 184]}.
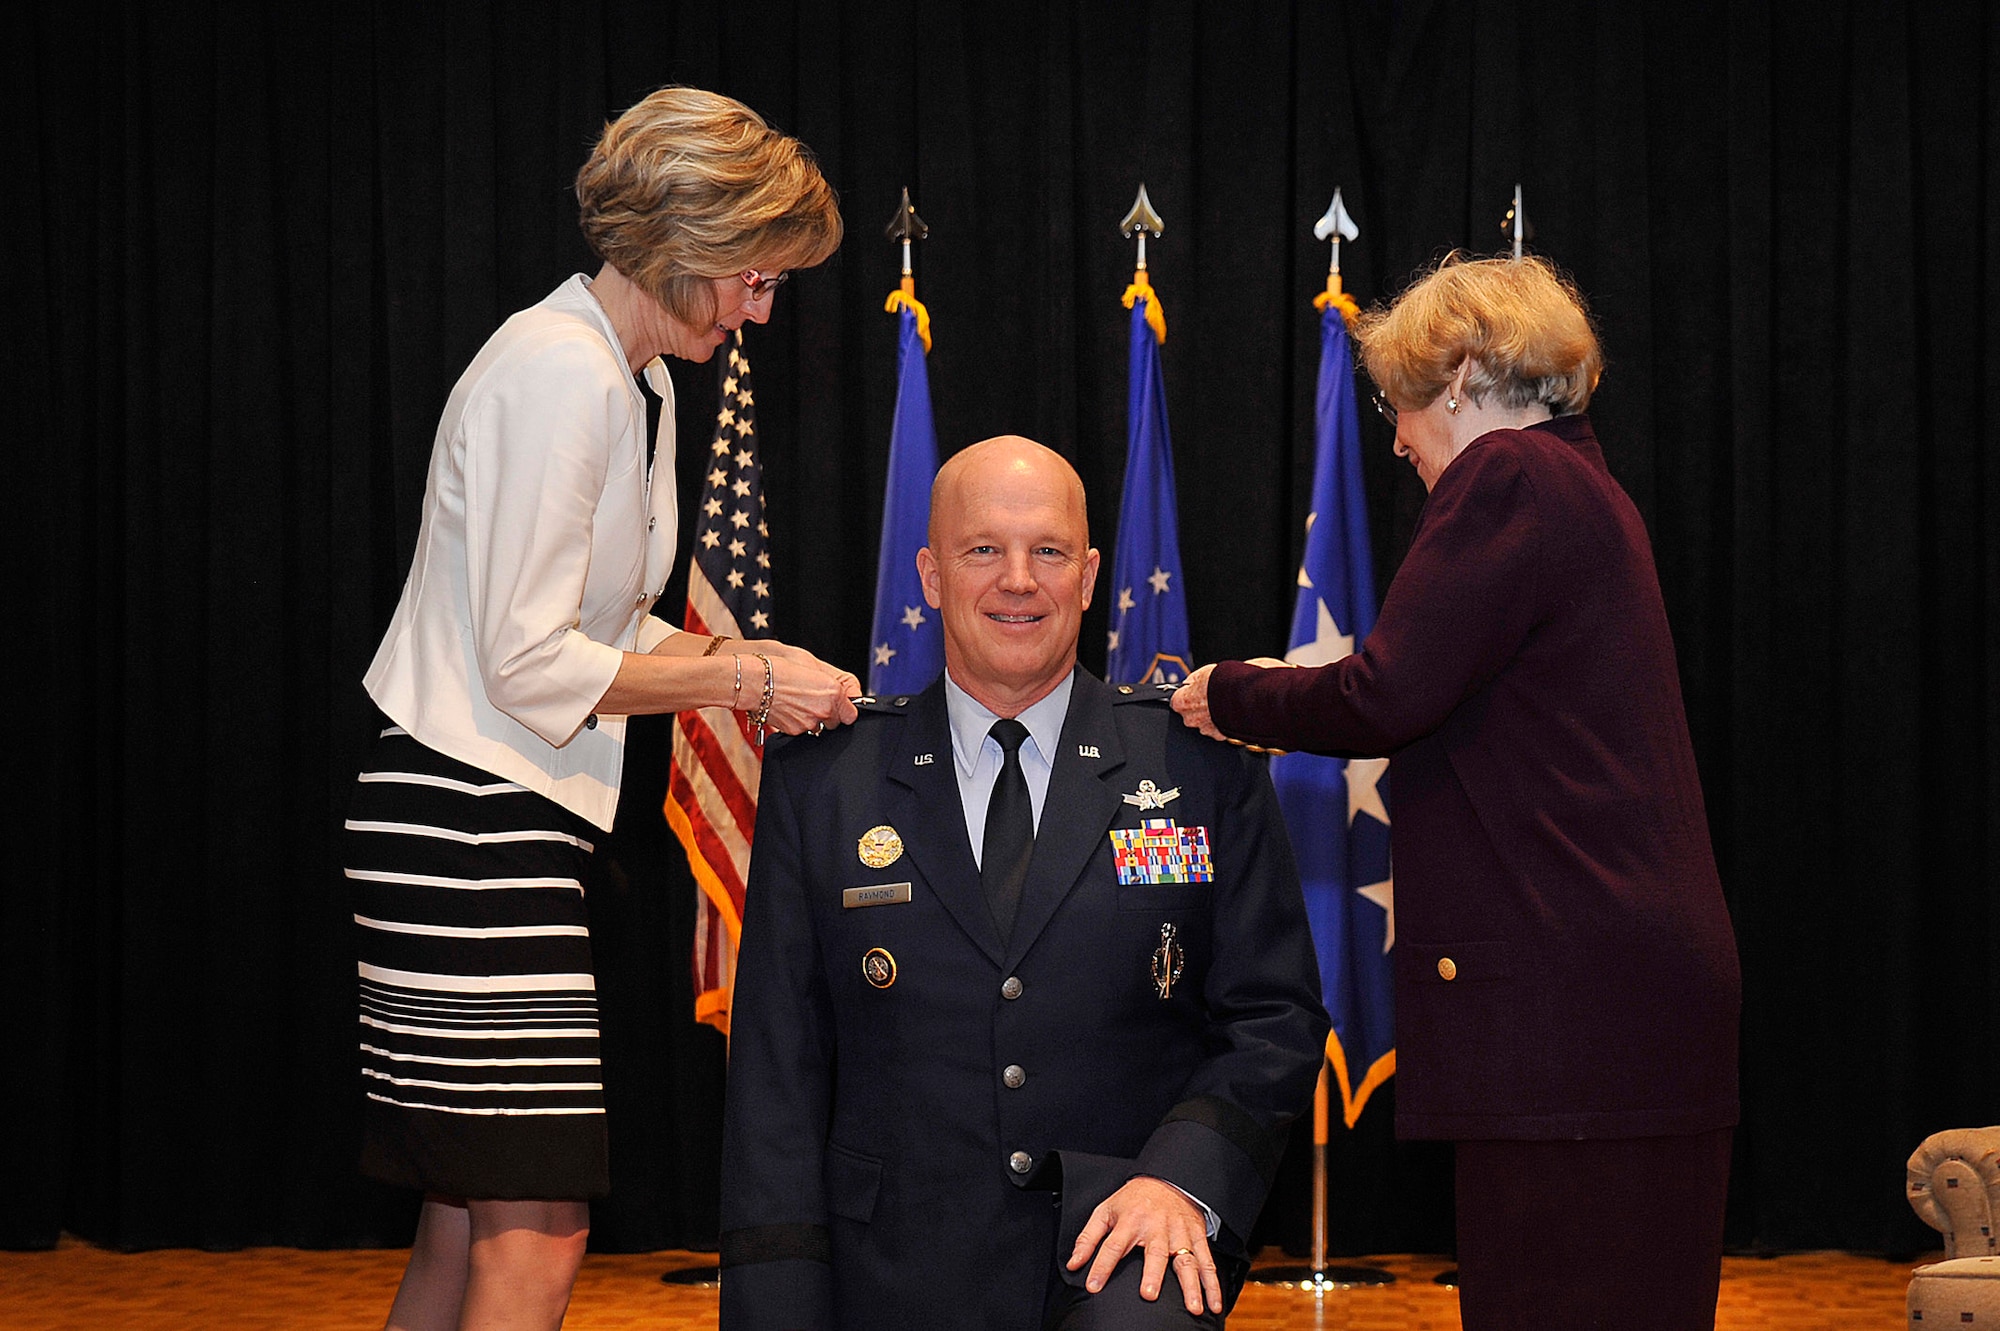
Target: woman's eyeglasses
{"type": "Point", "coordinates": [1388, 411]}
{"type": "Point", "coordinates": [762, 284]}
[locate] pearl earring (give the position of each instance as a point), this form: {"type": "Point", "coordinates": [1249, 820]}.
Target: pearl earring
{"type": "Point", "coordinates": [1451, 404]}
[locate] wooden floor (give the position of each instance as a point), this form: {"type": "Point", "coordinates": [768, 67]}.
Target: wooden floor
{"type": "Point", "coordinates": [81, 1288]}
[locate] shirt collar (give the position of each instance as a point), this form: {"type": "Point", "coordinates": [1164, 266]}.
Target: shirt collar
{"type": "Point", "coordinates": [970, 721]}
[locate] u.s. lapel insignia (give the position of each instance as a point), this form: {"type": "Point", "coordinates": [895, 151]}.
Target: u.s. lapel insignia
{"type": "Point", "coordinates": [879, 968]}
{"type": "Point", "coordinates": [881, 847]}
{"type": "Point", "coordinates": [1150, 796]}
{"type": "Point", "coordinates": [1167, 960]}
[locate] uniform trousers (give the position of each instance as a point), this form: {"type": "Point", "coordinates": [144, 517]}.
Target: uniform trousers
{"type": "Point", "coordinates": [1620, 1233]}
{"type": "Point", "coordinates": [1118, 1307]}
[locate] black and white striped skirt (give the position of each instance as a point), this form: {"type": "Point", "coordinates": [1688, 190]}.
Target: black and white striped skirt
{"type": "Point", "coordinates": [479, 1037]}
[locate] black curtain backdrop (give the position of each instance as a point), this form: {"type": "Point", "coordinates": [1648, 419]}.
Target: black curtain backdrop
{"type": "Point", "coordinates": [253, 247]}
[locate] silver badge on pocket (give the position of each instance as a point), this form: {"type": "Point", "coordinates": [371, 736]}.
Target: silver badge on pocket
{"type": "Point", "coordinates": [1167, 960]}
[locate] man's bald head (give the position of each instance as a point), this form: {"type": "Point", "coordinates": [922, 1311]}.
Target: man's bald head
{"type": "Point", "coordinates": [991, 461]}
{"type": "Point", "coordinates": [1010, 567]}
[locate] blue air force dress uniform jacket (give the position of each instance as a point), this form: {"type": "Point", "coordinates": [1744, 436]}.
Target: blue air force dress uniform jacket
{"type": "Point", "coordinates": [921, 1114]}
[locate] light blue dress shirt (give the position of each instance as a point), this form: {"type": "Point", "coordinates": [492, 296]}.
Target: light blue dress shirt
{"type": "Point", "coordinates": [976, 756]}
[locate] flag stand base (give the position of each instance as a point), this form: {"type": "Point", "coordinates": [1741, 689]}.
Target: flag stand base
{"type": "Point", "coordinates": [693, 1275]}
{"type": "Point", "coordinates": [1316, 1279]}
{"type": "Point", "coordinates": [1310, 1281]}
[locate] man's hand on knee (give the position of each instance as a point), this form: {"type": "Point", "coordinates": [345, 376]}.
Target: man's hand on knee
{"type": "Point", "coordinates": [1154, 1215]}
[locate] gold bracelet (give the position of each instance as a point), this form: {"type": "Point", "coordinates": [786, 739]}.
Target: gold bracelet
{"type": "Point", "coordinates": [737, 696]}
{"type": "Point", "coordinates": [770, 693]}
{"type": "Point", "coordinates": [715, 644]}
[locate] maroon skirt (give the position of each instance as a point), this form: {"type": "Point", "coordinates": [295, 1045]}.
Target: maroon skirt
{"type": "Point", "coordinates": [1623, 1234]}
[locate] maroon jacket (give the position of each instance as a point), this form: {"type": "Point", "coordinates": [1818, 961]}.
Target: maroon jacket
{"type": "Point", "coordinates": [1565, 966]}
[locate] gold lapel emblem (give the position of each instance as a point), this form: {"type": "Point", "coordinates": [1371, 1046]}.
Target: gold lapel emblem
{"type": "Point", "coordinates": [881, 847]}
{"type": "Point", "coordinates": [878, 967]}
{"type": "Point", "coordinates": [1167, 961]}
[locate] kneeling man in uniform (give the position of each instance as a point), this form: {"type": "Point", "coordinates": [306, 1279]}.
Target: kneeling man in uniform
{"type": "Point", "coordinates": [1026, 997]}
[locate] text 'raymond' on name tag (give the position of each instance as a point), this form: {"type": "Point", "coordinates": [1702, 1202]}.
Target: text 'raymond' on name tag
{"type": "Point", "coordinates": [879, 894]}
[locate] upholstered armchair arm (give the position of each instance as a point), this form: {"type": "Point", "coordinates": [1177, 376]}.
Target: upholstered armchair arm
{"type": "Point", "coordinates": [1954, 1186]}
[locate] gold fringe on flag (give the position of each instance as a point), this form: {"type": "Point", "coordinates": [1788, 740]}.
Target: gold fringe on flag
{"type": "Point", "coordinates": [1349, 311]}
{"type": "Point", "coordinates": [1156, 317]}
{"type": "Point", "coordinates": [907, 295]}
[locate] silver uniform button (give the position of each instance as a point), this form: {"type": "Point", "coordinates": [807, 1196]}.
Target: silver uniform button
{"type": "Point", "coordinates": [1020, 1162]}
{"type": "Point", "coordinates": [1014, 1075]}
{"type": "Point", "coordinates": [1010, 987]}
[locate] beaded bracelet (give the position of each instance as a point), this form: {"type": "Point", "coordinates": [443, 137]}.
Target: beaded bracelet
{"type": "Point", "coordinates": [770, 692]}
{"type": "Point", "coordinates": [737, 696]}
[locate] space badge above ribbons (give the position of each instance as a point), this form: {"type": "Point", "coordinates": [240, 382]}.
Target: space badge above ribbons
{"type": "Point", "coordinates": [1150, 796]}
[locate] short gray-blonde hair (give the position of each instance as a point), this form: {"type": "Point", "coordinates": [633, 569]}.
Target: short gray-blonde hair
{"type": "Point", "coordinates": [1519, 326]}
{"type": "Point", "coordinates": [688, 186]}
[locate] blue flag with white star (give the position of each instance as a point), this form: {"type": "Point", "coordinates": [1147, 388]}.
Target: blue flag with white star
{"type": "Point", "coordinates": [1338, 812]}
{"type": "Point", "coordinates": [1149, 632]}
{"type": "Point", "coordinates": [906, 651]}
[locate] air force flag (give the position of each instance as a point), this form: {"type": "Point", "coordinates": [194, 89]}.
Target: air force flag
{"type": "Point", "coordinates": [1149, 630]}
{"type": "Point", "coordinates": [1338, 812]}
{"type": "Point", "coordinates": [907, 649]}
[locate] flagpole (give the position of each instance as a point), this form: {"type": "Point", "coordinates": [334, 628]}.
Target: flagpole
{"type": "Point", "coordinates": [1514, 225]}
{"type": "Point", "coordinates": [1334, 226]}
{"type": "Point", "coordinates": [906, 642]}
{"type": "Point", "coordinates": [1140, 222]}
{"type": "Point", "coordinates": [909, 228]}
{"type": "Point", "coordinates": [1322, 1101]}
{"type": "Point", "coordinates": [1148, 638]}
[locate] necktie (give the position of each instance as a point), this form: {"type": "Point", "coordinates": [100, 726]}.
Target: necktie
{"type": "Point", "coordinates": [1010, 830]}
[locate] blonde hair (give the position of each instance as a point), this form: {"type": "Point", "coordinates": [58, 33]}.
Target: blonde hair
{"type": "Point", "coordinates": [688, 186]}
{"type": "Point", "coordinates": [1519, 326]}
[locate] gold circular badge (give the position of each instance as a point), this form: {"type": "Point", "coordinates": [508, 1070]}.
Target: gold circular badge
{"type": "Point", "coordinates": [881, 847]}
{"type": "Point", "coordinates": [878, 967]}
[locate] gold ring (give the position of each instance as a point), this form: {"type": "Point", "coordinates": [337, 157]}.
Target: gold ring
{"type": "Point", "coordinates": [1180, 1253]}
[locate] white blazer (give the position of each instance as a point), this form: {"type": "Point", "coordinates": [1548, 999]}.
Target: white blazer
{"type": "Point", "coordinates": [542, 550]}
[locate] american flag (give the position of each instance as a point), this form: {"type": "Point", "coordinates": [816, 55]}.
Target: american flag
{"type": "Point", "coordinates": [712, 793]}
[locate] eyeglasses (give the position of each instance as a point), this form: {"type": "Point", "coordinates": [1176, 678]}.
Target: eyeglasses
{"type": "Point", "coordinates": [762, 284]}
{"type": "Point", "coordinates": [1388, 411]}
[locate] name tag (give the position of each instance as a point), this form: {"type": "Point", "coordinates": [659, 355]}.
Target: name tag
{"type": "Point", "coordinates": [880, 894]}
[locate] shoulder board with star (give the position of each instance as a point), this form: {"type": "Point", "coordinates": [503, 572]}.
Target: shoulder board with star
{"type": "Point", "coordinates": [1154, 693]}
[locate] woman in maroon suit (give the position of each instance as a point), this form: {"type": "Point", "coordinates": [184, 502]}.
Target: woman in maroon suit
{"type": "Point", "coordinates": [1567, 987]}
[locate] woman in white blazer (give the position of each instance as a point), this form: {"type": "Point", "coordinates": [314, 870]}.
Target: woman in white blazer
{"type": "Point", "coordinates": [523, 639]}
